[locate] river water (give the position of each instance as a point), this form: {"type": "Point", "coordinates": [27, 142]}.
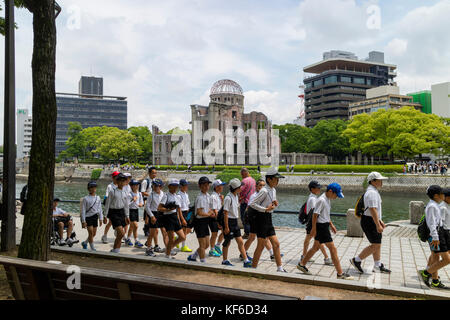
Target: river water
{"type": "Point", "coordinates": [395, 205]}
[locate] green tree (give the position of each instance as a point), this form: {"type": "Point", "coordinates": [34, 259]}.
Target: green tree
{"type": "Point", "coordinates": [90, 137]}
{"type": "Point", "coordinates": [402, 133]}
{"type": "Point", "coordinates": [294, 138]}
{"type": "Point", "coordinates": [143, 137]}
{"type": "Point", "coordinates": [116, 144]}
{"type": "Point", "coordinates": [76, 145]}
{"type": "Point", "coordinates": [327, 138]}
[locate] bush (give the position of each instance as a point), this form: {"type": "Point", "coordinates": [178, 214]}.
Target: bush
{"type": "Point", "coordinates": [95, 175]}
{"type": "Point", "coordinates": [345, 168]}
{"type": "Point", "coordinates": [227, 175]}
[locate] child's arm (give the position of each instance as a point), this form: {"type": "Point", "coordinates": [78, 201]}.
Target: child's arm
{"type": "Point", "coordinates": [83, 211]}
{"type": "Point", "coordinates": [225, 222]}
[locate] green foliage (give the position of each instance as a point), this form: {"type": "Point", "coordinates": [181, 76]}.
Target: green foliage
{"type": "Point", "coordinates": [227, 175]}
{"type": "Point", "coordinates": [294, 138]}
{"type": "Point", "coordinates": [116, 144]}
{"type": "Point", "coordinates": [143, 137]}
{"type": "Point", "coordinates": [402, 133]}
{"type": "Point", "coordinates": [96, 174]}
{"type": "Point", "coordinates": [345, 168]}
{"type": "Point", "coordinates": [76, 144]}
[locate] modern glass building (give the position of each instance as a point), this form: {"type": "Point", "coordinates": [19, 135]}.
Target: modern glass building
{"type": "Point", "coordinates": [424, 98]}
{"type": "Point", "coordinates": [340, 79]}
{"type": "Point", "coordinates": [90, 111]}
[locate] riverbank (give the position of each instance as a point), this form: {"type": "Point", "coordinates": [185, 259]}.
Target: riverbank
{"type": "Point", "coordinates": [349, 182]}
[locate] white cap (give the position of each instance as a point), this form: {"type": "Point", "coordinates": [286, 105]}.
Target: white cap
{"type": "Point", "coordinates": [174, 182]}
{"type": "Point", "coordinates": [375, 176]}
{"type": "Point", "coordinates": [217, 183]}
{"type": "Point", "coordinates": [273, 171]}
{"type": "Point", "coordinates": [235, 183]}
{"type": "Point", "coordinates": [127, 174]}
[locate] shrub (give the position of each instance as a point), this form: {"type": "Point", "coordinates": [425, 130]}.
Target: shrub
{"type": "Point", "coordinates": [95, 175]}
{"type": "Point", "coordinates": [227, 175]}
{"type": "Point", "coordinates": [345, 168]}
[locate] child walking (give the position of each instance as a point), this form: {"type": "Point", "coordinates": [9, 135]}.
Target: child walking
{"type": "Point", "coordinates": [136, 202]}
{"type": "Point", "coordinates": [91, 214]}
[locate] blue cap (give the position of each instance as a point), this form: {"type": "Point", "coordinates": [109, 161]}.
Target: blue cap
{"type": "Point", "coordinates": [157, 182]}
{"type": "Point", "coordinates": [92, 184]}
{"type": "Point", "coordinates": [336, 188]}
{"type": "Point", "coordinates": [134, 182]}
{"type": "Point", "coordinates": [183, 182]}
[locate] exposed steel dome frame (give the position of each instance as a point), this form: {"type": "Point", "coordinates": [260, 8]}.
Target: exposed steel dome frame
{"type": "Point", "coordinates": [226, 86]}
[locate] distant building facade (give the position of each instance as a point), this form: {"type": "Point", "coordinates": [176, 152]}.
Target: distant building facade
{"type": "Point", "coordinates": [440, 97]}
{"type": "Point", "coordinates": [24, 133]}
{"type": "Point", "coordinates": [225, 111]}
{"type": "Point", "coordinates": [340, 79]}
{"type": "Point", "coordinates": [384, 97]}
{"type": "Point", "coordinates": [90, 85]}
{"type": "Point", "coordinates": [424, 98]}
{"type": "Point", "coordinates": [89, 110]}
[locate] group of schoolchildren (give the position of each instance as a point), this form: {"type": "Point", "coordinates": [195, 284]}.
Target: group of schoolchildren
{"type": "Point", "coordinates": [171, 213]}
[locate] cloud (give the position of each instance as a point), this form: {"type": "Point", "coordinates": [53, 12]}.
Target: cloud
{"type": "Point", "coordinates": [396, 47]}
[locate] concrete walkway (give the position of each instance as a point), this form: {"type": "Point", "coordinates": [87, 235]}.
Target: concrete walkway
{"type": "Point", "coordinates": [402, 252]}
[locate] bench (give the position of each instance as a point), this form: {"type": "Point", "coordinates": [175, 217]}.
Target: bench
{"type": "Point", "coordinates": [38, 280]}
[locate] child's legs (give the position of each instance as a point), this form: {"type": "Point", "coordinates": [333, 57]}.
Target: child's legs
{"type": "Point", "coordinates": [165, 236]}
{"type": "Point", "coordinates": [248, 243]}
{"type": "Point", "coordinates": [334, 256]}
{"type": "Point", "coordinates": [107, 227]}
{"type": "Point", "coordinates": [306, 244]}
{"type": "Point", "coordinates": [445, 260]}
{"type": "Point", "coordinates": [170, 242]}
{"type": "Point", "coordinates": [134, 227]}
{"type": "Point", "coordinates": [203, 245]}
{"type": "Point", "coordinates": [181, 237]}
{"type": "Point", "coordinates": [212, 240]}
{"type": "Point", "coordinates": [91, 234]}
{"type": "Point", "coordinates": [276, 249]}
{"type": "Point", "coordinates": [241, 247]}
{"type": "Point", "coordinates": [155, 235]}
{"type": "Point", "coordinates": [268, 245]}
{"type": "Point", "coordinates": [434, 257]}
{"type": "Point", "coordinates": [324, 251]}
{"type": "Point", "coordinates": [367, 251]}
{"type": "Point", "coordinates": [151, 236]}
{"type": "Point", "coordinates": [125, 230]}
{"type": "Point", "coordinates": [221, 238]}
{"type": "Point", "coordinates": [310, 253]}
{"type": "Point", "coordinates": [258, 251]}
{"type": "Point", "coordinates": [120, 234]}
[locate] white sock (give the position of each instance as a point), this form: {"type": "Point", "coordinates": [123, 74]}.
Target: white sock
{"type": "Point", "coordinates": [116, 250]}
{"type": "Point", "coordinates": [195, 254]}
{"type": "Point", "coordinates": [246, 260]}
{"type": "Point", "coordinates": [280, 268]}
{"type": "Point", "coordinates": [357, 259]}
{"type": "Point", "coordinates": [377, 263]}
{"type": "Point", "coordinates": [202, 260]}
{"type": "Point", "coordinates": [271, 252]}
{"type": "Point", "coordinates": [91, 244]}
{"type": "Point", "coordinates": [218, 244]}
{"type": "Point", "coordinates": [183, 244]}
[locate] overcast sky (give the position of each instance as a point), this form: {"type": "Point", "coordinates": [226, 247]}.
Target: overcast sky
{"type": "Point", "coordinates": [165, 55]}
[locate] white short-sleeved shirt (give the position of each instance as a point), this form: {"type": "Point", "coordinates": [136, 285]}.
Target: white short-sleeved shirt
{"type": "Point", "coordinates": [153, 201]}
{"type": "Point", "coordinates": [433, 218]}
{"type": "Point", "coordinates": [216, 201]}
{"type": "Point", "coordinates": [445, 214]}
{"type": "Point", "coordinates": [252, 197]}
{"type": "Point", "coordinates": [171, 197]}
{"type": "Point", "coordinates": [110, 187]}
{"type": "Point", "coordinates": [311, 202]}
{"type": "Point", "coordinates": [323, 209]}
{"type": "Point", "coordinates": [264, 198]}
{"type": "Point", "coordinates": [58, 211]}
{"type": "Point", "coordinates": [372, 199]}
{"type": "Point", "coordinates": [231, 205]}
{"type": "Point", "coordinates": [139, 200]}
{"type": "Point", "coordinates": [184, 200]}
{"type": "Point", "coordinates": [203, 201]}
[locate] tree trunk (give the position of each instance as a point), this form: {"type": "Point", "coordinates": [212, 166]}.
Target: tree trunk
{"type": "Point", "coordinates": [35, 242]}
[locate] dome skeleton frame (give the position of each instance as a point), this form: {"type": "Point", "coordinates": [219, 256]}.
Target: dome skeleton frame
{"type": "Point", "coordinates": [226, 86]}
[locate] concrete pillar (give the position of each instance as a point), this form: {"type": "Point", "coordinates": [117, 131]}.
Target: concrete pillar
{"type": "Point", "coordinates": [359, 157]}
{"type": "Point", "coordinates": [371, 160]}
{"type": "Point", "coordinates": [416, 211]}
{"type": "Point", "coordinates": [293, 156]}
{"type": "Point", "coordinates": [353, 160]}
{"type": "Point", "coordinates": [346, 160]}
{"type": "Point", "coordinates": [353, 225]}
{"type": "Point", "coordinates": [366, 160]}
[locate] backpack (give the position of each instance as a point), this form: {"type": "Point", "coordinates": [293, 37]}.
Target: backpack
{"type": "Point", "coordinates": [360, 208]}
{"type": "Point", "coordinates": [422, 230]}
{"type": "Point", "coordinates": [303, 215]}
{"type": "Point", "coordinates": [190, 216]}
{"type": "Point", "coordinates": [23, 194]}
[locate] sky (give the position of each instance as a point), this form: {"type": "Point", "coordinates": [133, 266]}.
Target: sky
{"type": "Point", "coordinates": [165, 55]}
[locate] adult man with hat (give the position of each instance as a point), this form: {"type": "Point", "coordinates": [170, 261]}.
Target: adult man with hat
{"type": "Point", "coordinates": [372, 224]}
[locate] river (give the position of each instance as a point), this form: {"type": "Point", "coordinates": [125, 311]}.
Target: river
{"type": "Point", "coordinates": [395, 205]}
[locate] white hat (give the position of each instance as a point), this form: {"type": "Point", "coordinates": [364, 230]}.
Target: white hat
{"type": "Point", "coordinates": [375, 176]}
{"type": "Point", "coordinates": [127, 174]}
{"type": "Point", "coordinates": [273, 171]}
{"type": "Point", "coordinates": [235, 183]}
{"type": "Point", "coordinates": [174, 182]}
{"type": "Point", "coordinates": [217, 183]}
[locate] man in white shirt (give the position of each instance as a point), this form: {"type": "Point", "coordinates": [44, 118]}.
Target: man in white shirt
{"type": "Point", "coordinates": [62, 219]}
{"type": "Point", "coordinates": [372, 224]}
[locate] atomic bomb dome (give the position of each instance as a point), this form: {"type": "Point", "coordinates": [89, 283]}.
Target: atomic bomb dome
{"type": "Point", "coordinates": [227, 92]}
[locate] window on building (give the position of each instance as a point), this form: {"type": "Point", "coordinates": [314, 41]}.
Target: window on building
{"type": "Point", "coordinates": [247, 125]}
{"type": "Point", "coordinates": [318, 83]}
{"type": "Point", "coordinates": [261, 125]}
{"type": "Point", "coordinates": [346, 79]}
{"type": "Point", "coordinates": [308, 85]}
{"type": "Point", "coordinates": [331, 79]}
{"type": "Point", "coordinates": [369, 82]}
{"type": "Point", "coordinates": [358, 80]}
{"type": "Point", "coordinates": [234, 115]}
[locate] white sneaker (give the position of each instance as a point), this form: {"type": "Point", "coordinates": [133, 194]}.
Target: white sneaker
{"type": "Point", "coordinates": [327, 262]}
{"type": "Point", "coordinates": [104, 239]}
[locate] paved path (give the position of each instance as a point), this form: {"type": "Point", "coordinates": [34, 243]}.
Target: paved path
{"type": "Point", "coordinates": [404, 255]}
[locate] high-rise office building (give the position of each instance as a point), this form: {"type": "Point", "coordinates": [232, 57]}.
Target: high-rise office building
{"type": "Point", "coordinates": [89, 110]}
{"type": "Point", "coordinates": [90, 85]}
{"type": "Point", "coordinates": [339, 79]}
{"type": "Point", "coordinates": [24, 131]}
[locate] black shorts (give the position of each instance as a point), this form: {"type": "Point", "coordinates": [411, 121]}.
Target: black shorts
{"type": "Point", "coordinates": [264, 226]}
{"type": "Point", "coordinates": [92, 221]}
{"type": "Point", "coordinates": [323, 234]}
{"type": "Point", "coordinates": [235, 231]}
{"type": "Point", "coordinates": [444, 241]}
{"type": "Point", "coordinates": [201, 227]}
{"type": "Point", "coordinates": [213, 225]}
{"type": "Point", "coordinates": [370, 229]}
{"type": "Point", "coordinates": [158, 223]}
{"type": "Point", "coordinates": [64, 220]}
{"type": "Point", "coordinates": [251, 216]}
{"type": "Point", "coordinates": [134, 215]}
{"type": "Point", "coordinates": [170, 222]}
{"type": "Point", "coordinates": [185, 216]}
{"type": "Point", "coordinates": [117, 217]}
